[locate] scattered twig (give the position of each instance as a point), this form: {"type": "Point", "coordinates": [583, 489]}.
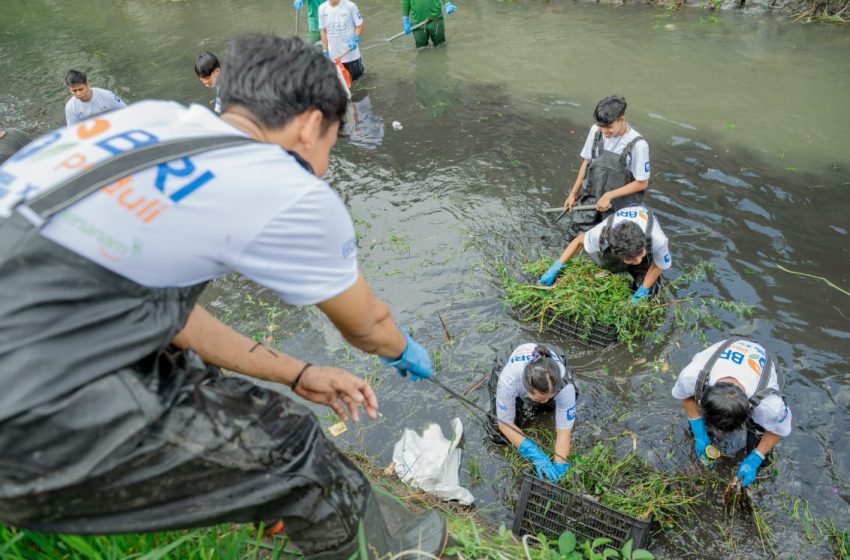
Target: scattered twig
{"type": "Point", "coordinates": [821, 278]}
{"type": "Point", "coordinates": [475, 386]}
{"type": "Point", "coordinates": [445, 328]}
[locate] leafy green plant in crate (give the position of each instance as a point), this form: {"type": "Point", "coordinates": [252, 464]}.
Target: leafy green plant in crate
{"type": "Point", "coordinates": [587, 296]}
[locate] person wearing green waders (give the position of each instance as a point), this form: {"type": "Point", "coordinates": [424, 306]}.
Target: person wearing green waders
{"type": "Point", "coordinates": [417, 11]}
{"type": "Point", "coordinates": [312, 17]}
{"type": "Point", "coordinates": [614, 171]}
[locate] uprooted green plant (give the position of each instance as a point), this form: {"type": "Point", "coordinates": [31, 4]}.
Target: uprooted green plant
{"type": "Point", "coordinates": [587, 296]}
{"type": "Point", "coordinates": [630, 485]}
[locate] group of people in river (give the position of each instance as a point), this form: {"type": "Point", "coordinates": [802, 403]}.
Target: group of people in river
{"type": "Point", "coordinates": [116, 415]}
{"type": "Point", "coordinates": [732, 383]}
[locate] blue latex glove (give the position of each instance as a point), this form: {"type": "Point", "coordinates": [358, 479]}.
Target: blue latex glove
{"type": "Point", "coordinates": [450, 8]}
{"type": "Point", "coordinates": [701, 439]}
{"type": "Point", "coordinates": [549, 276]}
{"type": "Point", "coordinates": [327, 54]}
{"type": "Point", "coordinates": [541, 462]}
{"type": "Point", "coordinates": [406, 22]}
{"type": "Point", "coordinates": [414, 360]}
{"type": "Point", "coordinates": [639, 294]}
{"type": "Point", "coordinates": [355, 40]}
{"type": "Point", "coordinates": [749, 467]}
{"type": "Point", "coordinates": [298, 4]}
{"type": "Point", "coordinates": [561, 469]}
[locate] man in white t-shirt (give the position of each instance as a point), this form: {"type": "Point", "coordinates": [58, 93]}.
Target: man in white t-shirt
{"type": "Point", "coordinates": [629, 240]}
{"type": "Point", "coordinates": [614, 171]}
{"type": "Point", "coordinates": [341, 25]}
{"type": "Point", "coordinates": [114, 414]}
{"type": "Point", "coordinates": [729, 383]}
{"type": "Point", "coordinates": [87, 101]}
{"type": "Point", "coordinates": [534, 373]}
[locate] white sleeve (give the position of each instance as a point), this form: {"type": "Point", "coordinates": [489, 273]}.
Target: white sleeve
{"type": "Point", "coordinates": [640, 160]}
{"type": "Point", "coordinates": [323, 18]}
{"type": "Point", "coordinates": [773, 415]}
{"type": "Point", "coordinates": [69, 114]}
{"type": "Point", "coordinates": [591, 238]}
{"type": "Point", "coordinates": [505, 400]}
{"type": "Point", "coordinates": [117, 102]}
{"type": "Point", "coordinates": [687, 382]}
{"type": "Point", "coordinates": [660, 251]}
{"type": "Point", "coordinates": [307, 253]}
{"type": "Point", "coordinates": [587, 150]}
{"type": "Point", "coordinates": [355, 15]}
{"type": "Point", "coordinates": [565, 408]}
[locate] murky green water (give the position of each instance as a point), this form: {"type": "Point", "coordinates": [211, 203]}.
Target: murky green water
{"type": "Point", "coordinates": [747, 122]}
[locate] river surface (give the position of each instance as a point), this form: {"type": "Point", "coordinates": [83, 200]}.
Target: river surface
{"type": "Point", "coordinates": [749, 133]}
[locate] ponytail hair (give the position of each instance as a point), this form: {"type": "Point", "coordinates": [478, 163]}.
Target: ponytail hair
{"type": "Point", "coordinates": [542, 374]}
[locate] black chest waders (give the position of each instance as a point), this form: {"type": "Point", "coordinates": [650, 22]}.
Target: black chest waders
{"type": "Point", "coordinates": [607, 259]}
{"type": "Point", "coordinates": [606, 172]}
{"type": "Point", "coordinates": [753, 430]}
{"type": "Point", "coordinates": [106, 428]}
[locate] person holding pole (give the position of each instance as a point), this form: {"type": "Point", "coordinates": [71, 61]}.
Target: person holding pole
{"type": "Point", "coordinates": [429, 12]}
{"type": "Point", "coordinates": [341, 25]}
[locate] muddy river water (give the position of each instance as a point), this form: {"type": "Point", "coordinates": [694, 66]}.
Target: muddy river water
{"type": "Point", "coordinates": [746, 117]}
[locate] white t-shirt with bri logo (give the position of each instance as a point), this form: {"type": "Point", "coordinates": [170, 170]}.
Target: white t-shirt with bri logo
{"type": "Point", "coordinates": [744, 361]}
{"type": "Point", "coordinates": [639, 215]}
{"type": "Point", "coordinates": [339, 21]}
{"type": "Point", "coordinates": [102, 100]}
{"type": "Point", "coordinates": [510, 387]}
{"type": "Point", "coordinates": [250, 209]}
{"type": "Point", "coordinates": [637, 161]}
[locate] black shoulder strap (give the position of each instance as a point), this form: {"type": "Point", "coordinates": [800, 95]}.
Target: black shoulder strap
{"type": "Point", "coordinates": [650, 223]}
{"type": "Point", "coordinates": [66, 193]}
{"type": "Point", "coordinates": [628, 149]}
{"type": "Point", "coordinates": [762, 389]}
{"type": "Point", "coordinates": [597, 145]}
{"type": "Point", "coordinates": [702, 378]}
{"type": "Point", "coordinates": [606, 233]}
{"type": "Point", "coordinates": [568, 378]}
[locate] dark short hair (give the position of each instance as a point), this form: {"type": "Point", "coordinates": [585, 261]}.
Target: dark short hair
{"type": "Point", "coordinates": [277, 79]}
{"type": "Point", "coordinates": [724, 407]}
{"type": "Point", "coordinates": [609, 110]}
{"type": "Point", "coordinates": [627, 240]}
{"type": "Point", "coordinates": [541, 374]}
{"type": "Point", "coordinates": [206, 64]}
{"type": "Point", "coordinates": [75, 78]}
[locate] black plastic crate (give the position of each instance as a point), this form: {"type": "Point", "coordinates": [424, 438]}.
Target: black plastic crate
{"type": "Point", "coordinates": [549, 509]}
{"type": "Point", "coordinates": [597, 335]}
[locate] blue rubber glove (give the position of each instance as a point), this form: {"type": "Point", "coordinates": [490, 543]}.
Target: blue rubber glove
{"type": "Point", "coordinates": [549, 276]}
{"type": "Point", "coordinates": [561, 469]}
{"type": "Point", "coordinates": [414, 360]}
{"type": "Point", "coordinates": [355, 40]}
{"type": "Point", "coordinates": [298, 4]}
{"type": "Point", "coordinates": [639, 294]}
{"type": "Point", "coordinates": [450, 8]}
{"type": "Point", "coordinates": [327, 54]}
{"type": "Point", "coordinates": [701, 439]}
{"type": "Point", "coordinates": [406, 22]}
{"type": "Point", "coordinates": [749, 467]}
{"type": "Point", "coordinates": [541, 462]}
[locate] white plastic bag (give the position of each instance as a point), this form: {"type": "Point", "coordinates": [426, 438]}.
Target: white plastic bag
{"type": "Point", "coordinates": [430, 462]}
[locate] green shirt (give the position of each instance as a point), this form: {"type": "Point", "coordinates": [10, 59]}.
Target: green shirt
{"type": "Point", "coordinates": [420, 10]}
